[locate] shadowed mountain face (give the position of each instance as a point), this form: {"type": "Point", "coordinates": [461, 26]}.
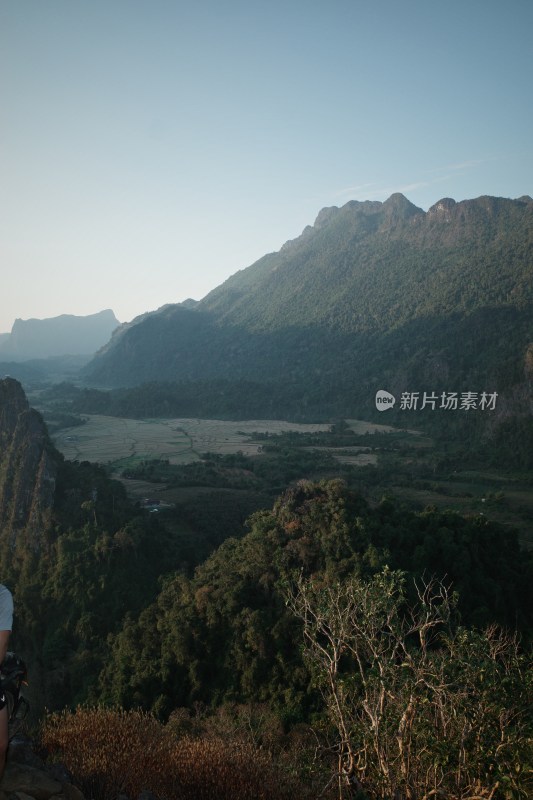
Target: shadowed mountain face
{"type": "Point", "coordinates": [28, 467]}
{"type": "Point", "coordinates": [58, 336]}
{"type": "Point", "coordinates": [372, 293]}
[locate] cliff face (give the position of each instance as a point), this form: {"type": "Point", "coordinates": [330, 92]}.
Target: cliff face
{"type": "Point", "coordinates": [28, 468]}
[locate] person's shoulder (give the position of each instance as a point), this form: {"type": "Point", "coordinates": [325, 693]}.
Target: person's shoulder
{"type": "Point", "coordinates": [5, 594]}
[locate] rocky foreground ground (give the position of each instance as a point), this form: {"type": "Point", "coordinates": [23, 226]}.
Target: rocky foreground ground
{"type": "Point", "coordinates": [27, 777]}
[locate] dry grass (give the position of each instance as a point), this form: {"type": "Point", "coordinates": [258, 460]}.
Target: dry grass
{"type": "Point", "coordinates": [112, 752]}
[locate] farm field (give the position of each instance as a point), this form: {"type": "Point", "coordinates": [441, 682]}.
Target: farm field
{"type": "Point", "coordinates": [125, 442]}
{"type": "Point", "coordinates": [360, 426]}
{"type": "Point", "coordinates": [122, 444]}
{"type": "Point", "coordinates": [357, 456]}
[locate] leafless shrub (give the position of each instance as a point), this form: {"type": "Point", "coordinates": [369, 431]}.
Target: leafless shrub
{"type": "Point", "coordinates": [420, 711]}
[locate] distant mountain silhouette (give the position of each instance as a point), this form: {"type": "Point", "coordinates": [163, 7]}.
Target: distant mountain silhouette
{"type": "Point", "coordinates": [373, 295]}
{"type": "Point", "coordinates": [57, 336]}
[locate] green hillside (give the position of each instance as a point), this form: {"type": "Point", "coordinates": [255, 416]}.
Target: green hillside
{"type": "Point", "coordinates": [367, 266]}
{"type": "Point", "coordinates": [374, 295]}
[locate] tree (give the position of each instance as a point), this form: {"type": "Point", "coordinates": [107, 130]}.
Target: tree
{"type": "Point", "coordinates": [420, 710]}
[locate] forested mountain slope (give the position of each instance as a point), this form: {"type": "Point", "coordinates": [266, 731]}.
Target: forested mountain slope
{"type": "Point", "coordinates": [370, 266]}
{"type": "Point", "coordinates": [109, 611]}
{"type": "Point", "coordinates": [371, 293]}
{"type": "Point", "coordinates": [75, 553]}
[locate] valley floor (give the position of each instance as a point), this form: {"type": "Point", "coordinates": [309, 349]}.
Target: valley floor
{"type": "Point", "coordinates": [377, 459]}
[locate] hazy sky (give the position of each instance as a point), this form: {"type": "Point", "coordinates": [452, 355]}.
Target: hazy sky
{"type": "Point", "coordinates": [151, 148]}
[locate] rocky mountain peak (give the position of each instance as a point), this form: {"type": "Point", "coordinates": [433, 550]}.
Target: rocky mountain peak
{"type": "Point", "coordinates": [443, 209]}
{"type": "Point", "coordinates": [325, 215]}
{"type": "Point", "coordinates": [399, 203]}
{"type": "Point", "coordinates": [398, 210]}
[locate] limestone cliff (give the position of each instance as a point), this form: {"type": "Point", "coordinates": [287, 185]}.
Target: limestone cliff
{"type": "Point", "coordinates": [28, 466]}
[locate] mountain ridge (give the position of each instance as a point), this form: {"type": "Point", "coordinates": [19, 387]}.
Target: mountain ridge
{"type": "Point", "coordinates": [371, 292]}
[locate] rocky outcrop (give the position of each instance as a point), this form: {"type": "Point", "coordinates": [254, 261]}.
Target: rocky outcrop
{"type": "Point", "coordinates": [23, 782]}
{"type": "Point", "coordinates": [28, 468]}
{"type": "Point", "coordinates": [27, 777]}
{"type": "Point", "coordinates": [443, 210]}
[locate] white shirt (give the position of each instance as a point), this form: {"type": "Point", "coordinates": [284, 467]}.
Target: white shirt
{"type": "Point", "coordinates": [6, 609]}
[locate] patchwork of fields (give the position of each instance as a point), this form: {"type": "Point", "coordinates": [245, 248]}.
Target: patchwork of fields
{"type": "Point", "coordinates": [125, 442]}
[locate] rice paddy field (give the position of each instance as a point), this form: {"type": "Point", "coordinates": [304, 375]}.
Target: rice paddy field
{"type": "Point", "coordinates": [125, 442]}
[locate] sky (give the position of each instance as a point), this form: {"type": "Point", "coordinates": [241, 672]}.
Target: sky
{"type": "Point", "coordinates": [149, 149]}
